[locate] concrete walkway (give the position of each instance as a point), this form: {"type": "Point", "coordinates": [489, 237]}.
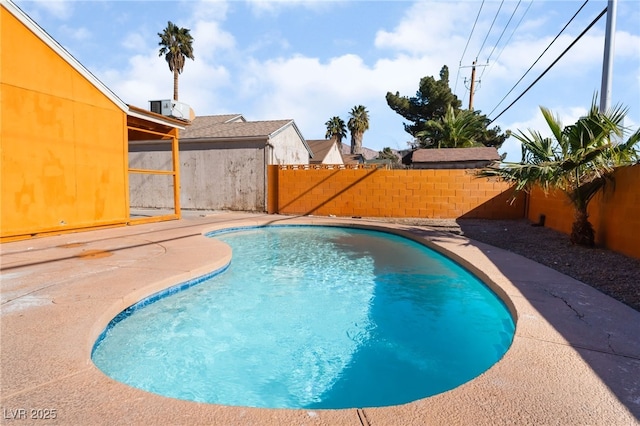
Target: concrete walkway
{"type": "Point", "coordinates": [575, 358]}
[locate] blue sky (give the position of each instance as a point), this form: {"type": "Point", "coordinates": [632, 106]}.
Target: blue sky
{"type": "Point", "coordinates": [311, 60]}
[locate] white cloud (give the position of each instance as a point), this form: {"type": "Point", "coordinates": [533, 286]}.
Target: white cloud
{"type": "Point", "coordinates": [134, 41]}
{"type": "Point", "coordinates": [424, 27]}
{"type": "Point", "coordinates": [208, 10]}
{"type": "Point", "coordinates": [140, 81]}
{"type": "Point", "coordinates": [208, 38]}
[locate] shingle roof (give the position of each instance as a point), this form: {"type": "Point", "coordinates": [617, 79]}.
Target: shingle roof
{"type": "Point", "coordinates": [207, 120]}
{"type": "Point", "coordinates": [320, 148]}
{"type": "Point", "coordinates": [455, 154]}
{"type": "Point", "coordinates": [216, 127]}
{"type": "Point", "coordinates": [352, 158]}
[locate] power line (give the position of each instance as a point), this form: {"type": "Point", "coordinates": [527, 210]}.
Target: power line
{"type": "Point", "coordinates": [490, 28]}
{"type": "Point", "coordinates": [554, 62]}
{"type": "Point", "coordinates": [510, 36]}
{"type": "Point", "coordinates": [536, 61]}
{"type": "Point", "coordinates": [500, 38]}
{"type": "Point", "coordinates": [467, 45]}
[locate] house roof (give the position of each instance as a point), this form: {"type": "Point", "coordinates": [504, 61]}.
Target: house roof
{"type": "Point", "coordinates": [214, 127]}
{"type": "Point", "coordinates": [320, 148]}
{"type": "Point", "coordinates": [352, 158]}
{"type": "Point", "coordinates": [208, 120]}
{"type": "Point", "coordinates": [445, 155]}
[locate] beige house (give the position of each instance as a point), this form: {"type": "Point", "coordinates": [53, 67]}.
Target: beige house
{"type": "Point", "coordinates": [451, 158]}
{"type": "Point", "coordinates": [325, 151]}
{"type": "Point", "coordinates": [223, 163]}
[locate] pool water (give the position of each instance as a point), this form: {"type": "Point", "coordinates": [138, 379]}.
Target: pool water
{"type": "Point", "coordinates": [313, 317]}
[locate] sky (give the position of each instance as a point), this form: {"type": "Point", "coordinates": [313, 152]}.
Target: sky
{"type": "Point", "coordinates": [310, 60]}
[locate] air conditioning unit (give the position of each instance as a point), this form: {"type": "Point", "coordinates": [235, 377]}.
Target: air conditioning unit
{"type": "Point", "coordinates": [181, 110]}
{"type": "Point", "coordinates": [161, 107]}
{"type": "Point", "coordinates": [172, 108]}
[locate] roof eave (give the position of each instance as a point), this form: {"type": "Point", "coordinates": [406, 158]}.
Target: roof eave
{"type": "Point", "coordinates": [264, 139]}
{"type": "Point", "coordinates": [155, 118]}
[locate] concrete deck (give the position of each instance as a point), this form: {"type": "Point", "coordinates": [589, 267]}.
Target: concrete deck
{"type": "Point", "coordinates": [575, 358]}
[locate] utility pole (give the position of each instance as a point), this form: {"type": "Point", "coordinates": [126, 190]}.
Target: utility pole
{"type": "Point", "coordinates": [607, 63]}
{"type": "Point", "coordinates": [472, 89]}
{"type": "Point", "coordinates": [473, 85]}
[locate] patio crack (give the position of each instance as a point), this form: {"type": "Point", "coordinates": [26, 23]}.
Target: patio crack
{"type": "Point", "coordinates": [613, 351]}
{"type": "Point", "coordinates": [579, 315]}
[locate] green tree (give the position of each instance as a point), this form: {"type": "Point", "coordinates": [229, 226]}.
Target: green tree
{"type": "Point", "coordinates": [388, 154]}
{"type": "Point", "coordinates": [358, 124]}
{"type": "Point", "coordinates": [336, 129]}
{"type": "Point", "coordinates": [578, 159]}
{"type": "Point", "coordinates": [431, 103]}
{"type": "Point", "coordinates": [177, 45]}
{"type": "Point", "coordinates": [460, 130]}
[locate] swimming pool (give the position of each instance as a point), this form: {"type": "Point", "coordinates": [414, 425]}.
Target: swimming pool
{"type": "Point", "coordinates": [312, 317]}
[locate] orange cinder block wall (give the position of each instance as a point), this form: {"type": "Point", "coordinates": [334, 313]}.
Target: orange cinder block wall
{"type": "Point", "coordinates": [614, 213]}
{"type": "Point", "coordinates": [63, 142]}
{"type": "Point", "coordinates": [379, 192]}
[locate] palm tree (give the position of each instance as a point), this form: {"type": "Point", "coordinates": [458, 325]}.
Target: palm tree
{"type": "Point", "coordinates": [453, 131]}
{"type": "Point", "coordinates": [578, 159]}
{"type": "Point", "coordinates": [177, 44]}
{"type": "Point", "coordinates": [358, 124]}
{"type": "Point", "coordinates": [336, 128]}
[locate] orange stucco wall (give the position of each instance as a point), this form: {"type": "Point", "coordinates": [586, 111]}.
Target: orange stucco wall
{"type": "Point", "coordinates": [614, 214]}
{"type": "Point", "coordinates": [63, 142]}
{"type": "Point", "coordinates": [389, 193]}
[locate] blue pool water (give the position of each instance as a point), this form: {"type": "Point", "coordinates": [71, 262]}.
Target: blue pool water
{"type": "Point", "coordinates": [313, 317]}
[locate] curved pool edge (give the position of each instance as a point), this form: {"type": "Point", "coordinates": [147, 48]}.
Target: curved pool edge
{"type": "Point", "coordinates": [221, 231]}
{"type": "Point", "coordinates": [547, 376]}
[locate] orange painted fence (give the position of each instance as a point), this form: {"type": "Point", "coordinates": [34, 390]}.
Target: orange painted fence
{"type": "Point", "coordinates": [378, 192]}
{"type": "Point", "coordinates": [450, 194]}
{"type": "Point", "coordinates": [614, 214]}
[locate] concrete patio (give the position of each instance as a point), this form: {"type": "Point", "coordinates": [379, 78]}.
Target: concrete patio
{"type": "Point", "coordinates": [575, 358]}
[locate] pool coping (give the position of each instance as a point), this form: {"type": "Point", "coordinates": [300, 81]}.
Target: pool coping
{"type": "Point", "coordinates": [575, 357]}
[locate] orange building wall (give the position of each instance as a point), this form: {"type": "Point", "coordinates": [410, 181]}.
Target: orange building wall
{"type": "Point", "coordinates": [63, 142]}
{"type": "Point", "coordinates": [614, 214]}
{"type": "Point", "coordinates": [390, 193]}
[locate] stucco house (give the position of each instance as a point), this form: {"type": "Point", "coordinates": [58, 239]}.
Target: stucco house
{"type": "Point", "coordinates": [451, 158]}
{"type": "Point", "coordinates": [223, 163]}
{"type": "Point", "coordinates": [64, 137]}
{"type": "Point", "coordinates": [325, 151]}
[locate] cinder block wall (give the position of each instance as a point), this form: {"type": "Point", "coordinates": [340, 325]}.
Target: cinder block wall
{"type": "Point", "coordinates": [614, 214]}
{"type": "Point", "coordinates": [378, 192]}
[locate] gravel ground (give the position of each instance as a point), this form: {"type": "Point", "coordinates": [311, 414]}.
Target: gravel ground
{"type": "Point", "coordinates": [612, 273]}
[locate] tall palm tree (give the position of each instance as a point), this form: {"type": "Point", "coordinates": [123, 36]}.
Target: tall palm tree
{"type": "Point", "coordinates": [461, 130]}
{"type": "Point", "coordinates": [578, 159]}
{"type": "Point", "coordinates": [177, 45]}
{"type": "Point", "coordinates": [336, 128]}
{"type": "Point", "coordinates": [358, 124]}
